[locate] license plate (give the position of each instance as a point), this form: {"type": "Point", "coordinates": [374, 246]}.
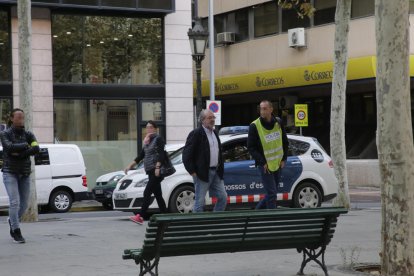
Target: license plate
{"type": "Point", "coordinates": [98, 192]}
{"type": "Point", "coordinates": [120, 196]}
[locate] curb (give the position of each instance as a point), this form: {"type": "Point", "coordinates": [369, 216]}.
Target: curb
{"type": "Point", "coordinates": [87, 209]}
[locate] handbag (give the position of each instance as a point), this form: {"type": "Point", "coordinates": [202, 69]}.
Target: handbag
{"type": "Point", "coordinates": [167, 167]}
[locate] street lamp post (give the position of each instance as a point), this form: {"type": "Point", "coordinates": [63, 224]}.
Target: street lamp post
{"type": "Point", "coordinates": [198, 41]}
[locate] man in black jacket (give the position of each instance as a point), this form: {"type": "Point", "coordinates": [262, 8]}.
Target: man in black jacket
{"type": "Point", "coordinates": [268, 145]}
{"type": "Point", "coordinates": [18, 145]}
{"type": "Point", "coordinates": [203, 160]}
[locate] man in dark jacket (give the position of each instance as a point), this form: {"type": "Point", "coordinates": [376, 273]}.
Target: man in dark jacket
{"type": "Point", "coordinates": [268, 145]}
{"type": "Point", "coordinates": [203, 160]}
{"type": "Point", "coordinates": [18, 145]}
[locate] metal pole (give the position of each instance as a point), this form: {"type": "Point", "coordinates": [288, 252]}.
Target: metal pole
{"type": "Point", "coordinates": [211, 45]}
{"type": "Point", "coordinates": [198, 73]}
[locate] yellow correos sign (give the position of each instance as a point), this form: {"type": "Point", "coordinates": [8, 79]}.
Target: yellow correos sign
{"type": "Point", "coordinates": [358, 68]}
{"type": "Point", "coordinates": [301, 115]}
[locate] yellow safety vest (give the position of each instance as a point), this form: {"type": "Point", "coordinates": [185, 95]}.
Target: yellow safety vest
{"type": "Point", "coordinates": [272, 144]}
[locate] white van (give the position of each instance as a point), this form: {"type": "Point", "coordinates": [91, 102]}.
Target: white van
{"type": "Point", "coordinates": [60, 177]}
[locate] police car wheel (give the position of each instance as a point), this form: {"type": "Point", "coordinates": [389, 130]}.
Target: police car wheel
{"type": "Point", "coordinates": [182, 199]}
{"type": "Point", "coordinates": [307, 195]}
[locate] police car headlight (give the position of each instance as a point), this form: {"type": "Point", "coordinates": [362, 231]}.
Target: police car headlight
{"type": "Point", "coordinates": [141, 183]}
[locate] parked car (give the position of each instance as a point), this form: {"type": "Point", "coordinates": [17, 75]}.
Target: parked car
{"type": "Point", "coordinates": [307, 179]}
{"type": "Point", "coordinates": [105, 184]}
{"type": "Point", "coordinates": [60, 177]}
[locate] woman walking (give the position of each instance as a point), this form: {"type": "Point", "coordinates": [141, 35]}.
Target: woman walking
{"type": "Point", "coordinates": [153, 154]}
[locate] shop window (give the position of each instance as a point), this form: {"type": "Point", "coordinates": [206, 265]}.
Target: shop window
{"type": "Point", "coordinates": [47, 1]}
{"type": "Point", "coordinates": [5, 51]}
{"type": "Point", "coordinates": [155, 4]}
{"type": "Point", "coordinates": [361, 8]}
{"type": "Point", "coordinates": [5, 108]}
{"type": "Point", "coordinates": [107, 50]}
{"type": "Point", "coordinates": [120, 3]}
{"type": "Point", "coordinates": [104, 130]}
{"type": "Point", "coordinates": [151, 111]}
{"type": "Point", "coordinates": [291, 20]}
{"type": "Point", "coordinates": [325, 12]}
{"type": "Point", "coordinates": [81, 2]}
{"type": "Point", "coordinates": [266, 19]}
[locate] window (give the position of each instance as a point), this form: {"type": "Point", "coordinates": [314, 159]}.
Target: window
{"type": "Point", "coordinates": [238, 23]}
{"type": "Point", "coordinates": [151, 111]}
{"type": "Point", "coordinates": [266, 19]}
{"type": "Point", "coordinates": [297, 148]}
{"type": "Point", "coordinates": [290, 20]}
{"type": "Point", "coordinates": [81, 2]}
{"type": "Point", "coordinates": [42, 158]}
{"type": "Point", "coordinates": [362, 8]}
{"type": "Point", "coordinates": [119, 3]}
{"type": "Point", "coordinates": [325, 12]}
{"type": "Point", "coordinates": [236, 152]}
{"type": "Point", "coordinates": [104, 130]}
{"type": "Point", "coordinates": [5, 51]}
{"type": "Point", "coordinates": [107, 50]}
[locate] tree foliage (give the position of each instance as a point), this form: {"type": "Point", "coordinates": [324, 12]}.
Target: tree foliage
{"type": "Point", "coordinates": [302, 7]}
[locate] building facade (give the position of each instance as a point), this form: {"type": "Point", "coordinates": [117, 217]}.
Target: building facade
{"type": "Point", "coordinates": [254, 60]}
{"type": "Point", "coordinates": [101, 70]}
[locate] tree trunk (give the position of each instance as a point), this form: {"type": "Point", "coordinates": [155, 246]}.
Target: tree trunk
{"type": "Point", "coordinates": [394, 137]}
{"type": "Point", "coordinates": [25, 89]}
{"type": "Point", "coordinates": [338, 102]}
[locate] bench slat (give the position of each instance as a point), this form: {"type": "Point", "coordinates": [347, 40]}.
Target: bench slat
{"type": "Point", "coordinates": [201, 232]}
{"type": "Point", "coordinates": [281, 213]}
{"type": "Point", "coordinates": [237, 237]}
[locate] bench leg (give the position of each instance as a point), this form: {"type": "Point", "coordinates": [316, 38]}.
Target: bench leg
{"type": "Point", "coordinates": [148, 267]}
{"type": "Point", "coordinates": [312, 255]}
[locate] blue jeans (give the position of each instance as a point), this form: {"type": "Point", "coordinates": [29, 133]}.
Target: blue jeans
{"type": "Point", "coordinates": [215, 186]}
{"type": "Point", "coordinates": [270, 182]}
{"type": "Point", "coordinates": [18, 190]}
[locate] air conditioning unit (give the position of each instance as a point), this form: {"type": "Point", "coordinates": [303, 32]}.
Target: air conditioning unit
{"type": "Point", "coordinates": [226, 38]}
{"type": "Point", "coordinates": [296, 38]}
{"type": "Point", "coordinates": [287, 102]}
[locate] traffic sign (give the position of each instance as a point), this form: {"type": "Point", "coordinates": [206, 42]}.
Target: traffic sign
{"type": "Point", "coordinates": [301, 115]}
{"type": "Point", "coordinates": [215, 107]}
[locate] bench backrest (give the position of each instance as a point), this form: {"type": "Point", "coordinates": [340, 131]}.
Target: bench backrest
{"type": "Point", "coordinates": [204, 233]}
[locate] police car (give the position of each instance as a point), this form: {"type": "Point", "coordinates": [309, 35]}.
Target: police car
{"type": "Point", "coordinates": [306, 181]}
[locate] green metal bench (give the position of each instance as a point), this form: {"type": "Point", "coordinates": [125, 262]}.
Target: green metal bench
{"type": "Point", "coordinates": [307, 230]}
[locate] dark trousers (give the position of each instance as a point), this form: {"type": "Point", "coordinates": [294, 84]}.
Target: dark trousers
{"type": "Point", "coordinates": [153, 187]}
{"type": "Point", "coordinates": [270, 182]}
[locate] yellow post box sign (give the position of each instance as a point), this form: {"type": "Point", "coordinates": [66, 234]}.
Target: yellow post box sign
{"type": "Point", "coordinates": [301, 115]}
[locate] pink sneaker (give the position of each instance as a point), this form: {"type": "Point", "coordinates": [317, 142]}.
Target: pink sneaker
{"type": "Point", "coordinates": [137, 219]}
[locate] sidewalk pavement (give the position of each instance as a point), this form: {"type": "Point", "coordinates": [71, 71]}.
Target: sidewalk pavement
{"type": "Point", "coordinates": [93, 246]}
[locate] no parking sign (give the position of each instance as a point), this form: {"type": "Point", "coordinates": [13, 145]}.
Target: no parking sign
{"type": "Point", "coordinates": [215, 107]}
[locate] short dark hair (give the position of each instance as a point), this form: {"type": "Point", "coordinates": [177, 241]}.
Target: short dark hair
{"type": "Point", "coordinates": [14, 110]}
{"type": "Point", "coordinates": [268, 102]}
{"type": "Point", "coordinates": [151, 122]}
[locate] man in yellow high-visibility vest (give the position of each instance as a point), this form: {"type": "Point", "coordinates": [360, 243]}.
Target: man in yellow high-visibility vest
{"type": "Point", "coordinates": [268, 145]}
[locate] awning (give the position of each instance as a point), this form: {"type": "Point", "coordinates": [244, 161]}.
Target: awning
{"type": "Point", "coordinates": [358, 68]}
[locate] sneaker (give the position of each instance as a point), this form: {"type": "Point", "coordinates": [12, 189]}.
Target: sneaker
{"type": "Point", "coordinates": [137, 219]}
{"type": "Point", "coordinates": [17, 236]}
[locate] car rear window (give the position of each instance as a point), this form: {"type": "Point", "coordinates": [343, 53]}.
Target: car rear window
{"type": "Point", "coordinates": [297, 147]}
